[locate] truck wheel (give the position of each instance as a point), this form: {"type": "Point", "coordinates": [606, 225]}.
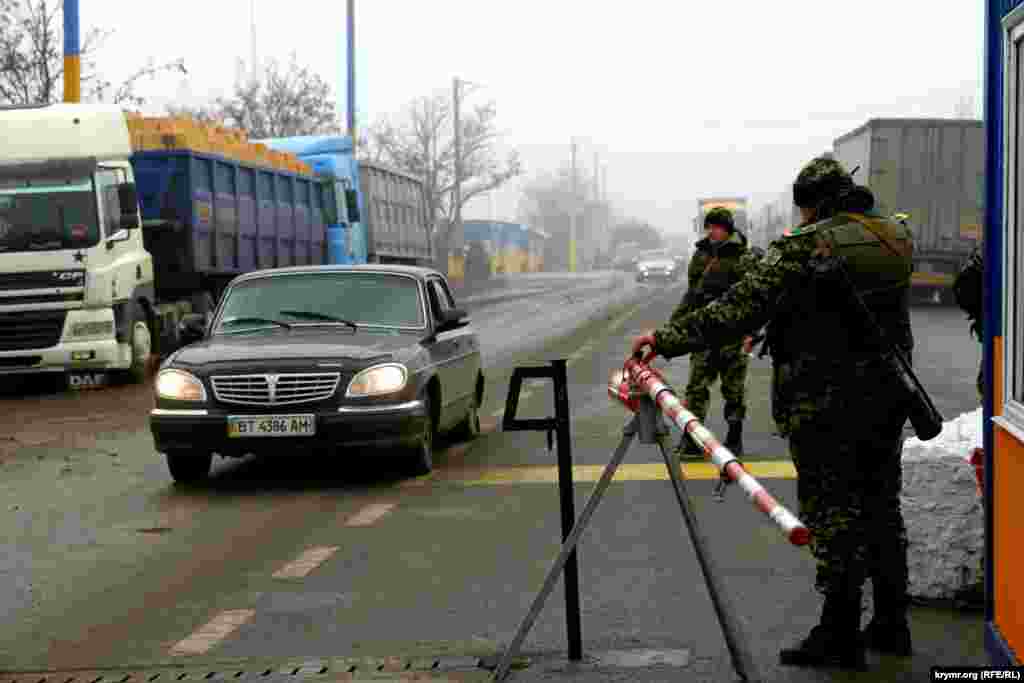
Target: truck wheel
{"type": "Point", "coordinates": [187, 467]}
{"type": "Point", "coordinates": [140, 339]}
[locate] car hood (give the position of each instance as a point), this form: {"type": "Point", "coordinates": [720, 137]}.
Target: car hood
{"type": "Point", "coordinates": [313, 343]}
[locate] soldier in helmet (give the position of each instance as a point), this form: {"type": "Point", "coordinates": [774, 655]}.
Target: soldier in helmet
{"type": "Point", "coordinates": [833, 398]}
{"type": "Point", "coordinates": [713, 269]}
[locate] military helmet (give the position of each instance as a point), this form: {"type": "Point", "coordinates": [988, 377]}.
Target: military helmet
{"type": "Point", "coordinates": [720, 216]}
{"type": "Point", "coordinates": [821, 180]}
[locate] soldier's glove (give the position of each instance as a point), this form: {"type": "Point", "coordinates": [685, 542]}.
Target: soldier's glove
{"type": "Point", "coordinates": [646, 339]}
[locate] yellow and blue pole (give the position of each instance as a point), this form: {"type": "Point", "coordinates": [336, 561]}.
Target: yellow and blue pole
{"type": "Point", "coordinates": [72, 53]}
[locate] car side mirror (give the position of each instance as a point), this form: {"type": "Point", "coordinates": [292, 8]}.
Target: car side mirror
{"type": "Point", "coordinates": [454, 318]}
{"type": "Point", "coordinates": [192, 328]}
{"type": "Point", "coordinates": [128, 198]}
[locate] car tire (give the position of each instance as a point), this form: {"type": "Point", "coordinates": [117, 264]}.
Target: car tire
{"type": "Point", "coordinates": [187, 467]}
{"type": "Point", "coordinates": [421, 456]}
{"type": "Point", "coordinates": [140, 340]}
{"type": "Point", "coordinates": [469, 428]}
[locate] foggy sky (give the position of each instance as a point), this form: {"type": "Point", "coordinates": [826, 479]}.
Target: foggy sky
{"type": "Point", "coordinates": [681, 99]}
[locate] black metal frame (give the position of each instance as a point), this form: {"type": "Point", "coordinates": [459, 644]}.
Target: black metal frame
{"type": "Point", "coordinates": [652, 430]}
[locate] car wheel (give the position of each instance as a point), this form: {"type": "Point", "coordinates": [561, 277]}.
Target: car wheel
{"type": "Point", "coordinates": [140, 338]}
{"type": "Point", "coordinates": [421, 458]}
{"type": "Point", "coordinates": [469, 428]}
{"type": "Point", "coordinates": [189, 468]}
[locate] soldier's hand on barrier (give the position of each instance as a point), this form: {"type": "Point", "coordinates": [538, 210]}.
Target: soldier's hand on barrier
{"type": "Point", "coordinates": [748, 344]}
{"type": "Point", "coordinates": [646, 339]}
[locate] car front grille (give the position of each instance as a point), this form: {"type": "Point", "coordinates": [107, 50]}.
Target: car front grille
{"type": "Point", "coordinates": [275, 389]}
{"type": "Point", "coordinates": [31, 330]}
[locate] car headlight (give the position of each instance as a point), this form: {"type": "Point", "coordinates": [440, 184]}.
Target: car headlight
{"type": "Point", "coordinates": [378, 380]}
{"type": "Point", "coordinates": [178, 385]}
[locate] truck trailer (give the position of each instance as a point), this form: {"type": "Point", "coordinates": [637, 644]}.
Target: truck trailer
{"type": "Point", "coordinates": [104, 249]}
{"type": "Point", "coordinates": [933, 171]}
{"type": "Point", "coordinates": [383, 212]}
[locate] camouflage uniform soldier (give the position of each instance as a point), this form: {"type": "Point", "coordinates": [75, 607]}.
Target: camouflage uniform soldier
{"type": "Point", "coordinates": [713, 269]}
{"type": "Point", "coordinates": [968, 290]}
{"type": "Point", "coordinates": [833, 397]}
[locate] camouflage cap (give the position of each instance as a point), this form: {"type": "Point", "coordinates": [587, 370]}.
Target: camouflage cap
{"type": "Point", "coordinates": [720, 216]}
{"type": "Point", "coordinates": [822, 178]}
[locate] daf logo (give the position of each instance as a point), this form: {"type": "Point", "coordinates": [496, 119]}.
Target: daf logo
{"type": "Point", "coordinates": [272, 387]}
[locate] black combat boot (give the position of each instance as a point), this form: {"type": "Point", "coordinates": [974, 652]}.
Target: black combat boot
{"type": "Point", "coordinates": [834, 642]}
{"type": "Point", "coordinates": [888, 632]}
{"type": "Point", "coordinates": [889, 637]}
{"type": "Point", "coordinates": [734, 439]}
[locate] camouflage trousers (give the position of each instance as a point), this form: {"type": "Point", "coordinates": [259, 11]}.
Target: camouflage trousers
{"type": "Point", "coordinates": [728, 363]}
{"type": "Point", "coordinates": [849, 480]}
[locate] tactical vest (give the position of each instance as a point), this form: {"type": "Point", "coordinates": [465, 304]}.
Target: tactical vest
{"type": "Point", "coordinates": [818, 319]}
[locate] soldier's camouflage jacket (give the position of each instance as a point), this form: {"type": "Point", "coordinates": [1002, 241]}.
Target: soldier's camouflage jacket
{"type": "Point", "coordinates": [821, 349]}
{"type": "Point", "coordinates": [713, 268]}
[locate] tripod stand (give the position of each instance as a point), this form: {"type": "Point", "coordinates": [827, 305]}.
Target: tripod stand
{"type": "Point", "coordinates": [646, 424]}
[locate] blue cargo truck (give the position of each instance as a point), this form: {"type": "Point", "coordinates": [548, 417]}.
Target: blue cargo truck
{"type": "Point", "coordinates": [105, 250]}
{"type": "Point", "coordinates": [382, 212]}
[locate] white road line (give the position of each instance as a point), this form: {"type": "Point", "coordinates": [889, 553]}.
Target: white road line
{"type": "Point", "coordinates": [206, 637]}
{"type": "Point", "coordinates": [370, 514]}
{"type": "Point", "coordinates": [306, 562]}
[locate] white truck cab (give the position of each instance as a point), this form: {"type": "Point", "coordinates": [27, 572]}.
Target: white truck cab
{"type": "Point", "coordinates": [76, 283]}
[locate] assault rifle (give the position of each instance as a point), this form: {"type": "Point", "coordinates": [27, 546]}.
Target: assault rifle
{"type": "Point", "coordinates": [924, 416]}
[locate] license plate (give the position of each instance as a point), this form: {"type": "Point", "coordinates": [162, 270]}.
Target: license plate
{"type": "Point", "coordinates": [271, 425]}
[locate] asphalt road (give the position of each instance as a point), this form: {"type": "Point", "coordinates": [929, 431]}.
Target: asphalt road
{"type": "Point", "coordinates": [306, 559]}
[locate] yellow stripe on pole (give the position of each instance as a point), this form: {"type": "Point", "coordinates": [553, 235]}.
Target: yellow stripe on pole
{"type": "Point", "coordinates": [72, 78]}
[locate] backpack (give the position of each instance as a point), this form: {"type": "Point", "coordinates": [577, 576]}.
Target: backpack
{"type": "Point", "coordinates": [968, 288]}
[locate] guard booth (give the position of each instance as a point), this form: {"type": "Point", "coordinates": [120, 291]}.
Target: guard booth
{"type": "Point", "coordinates": [1003, 356]}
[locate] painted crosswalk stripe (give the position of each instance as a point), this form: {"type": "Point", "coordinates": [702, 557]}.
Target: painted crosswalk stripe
{"type": "Point", "coordinates": [306, 562]}
{"type": "Point", "coordinates": [206, 637]}
{"type": "Point", "coordinates": [370, 514]}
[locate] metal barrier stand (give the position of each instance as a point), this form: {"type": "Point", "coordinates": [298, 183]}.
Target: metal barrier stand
{"type": "Point", "coordinates": [651, 430]}
{"type": "Point", "coordinates": [560, 426]}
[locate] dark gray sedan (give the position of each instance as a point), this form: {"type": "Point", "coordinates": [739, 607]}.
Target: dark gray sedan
{"type": "Point", "coordinates": [321, 358]}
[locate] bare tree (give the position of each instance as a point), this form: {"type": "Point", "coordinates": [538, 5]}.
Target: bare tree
{"type": "Point", "coordinates": [283, 101]}
{"type": "Point", "coordinates": [548, 203]}
{"type": "Point", "coordinates": [32, 59]}
{"type": "Point", "coordinates": [422, 143]}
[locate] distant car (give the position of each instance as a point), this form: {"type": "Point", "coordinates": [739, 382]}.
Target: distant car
{"type": "Point", "coordinates": [663, 269]}
{"type": "Point", "coordinates": [317, 358]}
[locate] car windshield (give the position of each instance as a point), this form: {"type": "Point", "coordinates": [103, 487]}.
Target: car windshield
{"type": "Point", "coordinates": [47, 214]}
{"type": "Point", "coordinates": [317, 299]}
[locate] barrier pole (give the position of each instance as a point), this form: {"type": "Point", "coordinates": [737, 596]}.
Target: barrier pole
{"type": "Point", "coordinates": [651, 383]}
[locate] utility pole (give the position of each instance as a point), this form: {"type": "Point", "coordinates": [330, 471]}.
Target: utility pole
{"type": "Point", "coordinates": [72, 53]}
{"type": "Point", "coordinates": [457, 190]}
{"type": "Point", "coordinates": [595, 227]}
{"type": "Point", "coordinates": [253, 67]}
{"type": "Point", "coordinates": [572, 214]}
{"type": "Point", "coordinates": [352, 72]}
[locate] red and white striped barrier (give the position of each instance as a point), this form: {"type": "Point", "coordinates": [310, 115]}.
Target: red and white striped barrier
{"type": "Point", "coordinates": [651, 382]}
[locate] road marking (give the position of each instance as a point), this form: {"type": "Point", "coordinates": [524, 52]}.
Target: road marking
{"type": "Point", "coordinates": [370, 514]}
{"type": "Point", "coordinates": [543, 474]}
{"type": "Point", "coordinates": [206, 637]}
{"type": "Point", "coordinates": [307, 562]}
